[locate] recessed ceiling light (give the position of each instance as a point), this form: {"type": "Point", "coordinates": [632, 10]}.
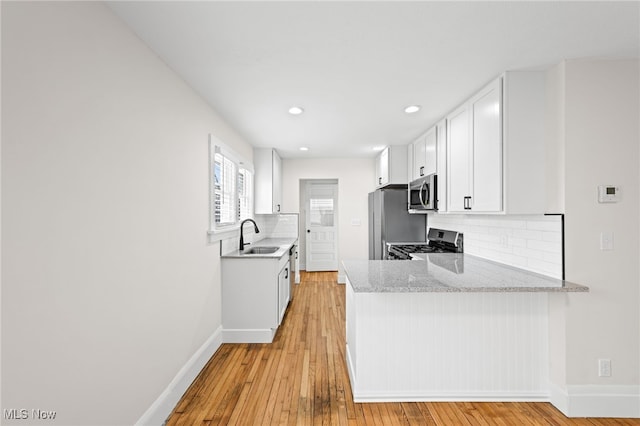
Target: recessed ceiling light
{"type": "Point", "coordinates": [412, 108]}
{"type": "Point", "coordinates": [295, 110]}
{"type": "Point", "coordinates": [304, 148]}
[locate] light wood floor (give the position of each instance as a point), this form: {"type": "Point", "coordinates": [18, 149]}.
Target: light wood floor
{"type": "Point", "coordinates": [301, 379]}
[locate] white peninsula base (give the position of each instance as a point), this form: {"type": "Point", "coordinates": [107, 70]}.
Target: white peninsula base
{"type": "Point", "coordinates": [447, 346]}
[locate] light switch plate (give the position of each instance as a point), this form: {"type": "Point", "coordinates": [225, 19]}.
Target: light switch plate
{"type": "Point", "coordinates": [606, 241]}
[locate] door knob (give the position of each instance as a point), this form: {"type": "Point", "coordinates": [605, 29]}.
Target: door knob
{"type": "Point", "coordinates": [308, 230]}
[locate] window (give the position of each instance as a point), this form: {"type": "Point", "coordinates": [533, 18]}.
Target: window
{"type": "Point", "coordinates": [224, 191]}
{"type": "Point", "coordinates": [245, 194]}
{"type": "Point", "coordinates": [231, 192]}
{"type": "Point", "coordinates": [321, 211]}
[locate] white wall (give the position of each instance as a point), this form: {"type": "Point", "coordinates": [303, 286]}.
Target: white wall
{"type": "Point", "coordinates": [555, 151]}
{"type": "Point", "coordinates": [356, 179]}
{"type": "Point", "coordinates": [601, 142]}
{"type": "Point", "coordinates": [108, 283]}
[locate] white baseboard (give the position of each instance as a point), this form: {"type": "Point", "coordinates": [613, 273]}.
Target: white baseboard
{"type": "Point", "coordinates": [450, 397]}
{"type": "Point", "coordinates": [248, 335]}
{"type": "Point", "coordinates": [350, 368]}
{"type": "Point", "coordinates": [342, 278]}
{"type": "Point", "coordinates": [169, 398]}
{"type": "Point", "coordinates": [597, 400]}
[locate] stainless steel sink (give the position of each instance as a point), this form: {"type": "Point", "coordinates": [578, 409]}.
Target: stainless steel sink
{"type": "Point", "coordinates": [261, 250]}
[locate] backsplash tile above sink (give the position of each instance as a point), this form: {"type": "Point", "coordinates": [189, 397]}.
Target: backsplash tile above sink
{"type": "Point", "coordinates": [270, 225]}
{"type": "Point", "coordinates": [277, 225]}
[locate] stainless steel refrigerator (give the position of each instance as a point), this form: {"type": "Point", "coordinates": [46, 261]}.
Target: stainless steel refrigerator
{"type": "Point", "coordinates": [389, 221]}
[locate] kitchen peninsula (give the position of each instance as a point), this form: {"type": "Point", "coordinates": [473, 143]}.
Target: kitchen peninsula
{"type": "Point", "coordinates": [453, 327]}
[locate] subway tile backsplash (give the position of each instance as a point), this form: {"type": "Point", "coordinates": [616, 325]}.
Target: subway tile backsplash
{"type": "Point", "coordinates": [528, 242]}
{"type": "Point", "coordinates": [283, 225]}
{"type": "Point", "coordinates": [270, 226]}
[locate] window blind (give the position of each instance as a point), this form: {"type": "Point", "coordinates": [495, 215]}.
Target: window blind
{"type": "Point", "coordinates": [231, 188]}
{"type": "Point", "coordinates": [245, 194]}
{"type": "Point", "coordinates": [225, 189]}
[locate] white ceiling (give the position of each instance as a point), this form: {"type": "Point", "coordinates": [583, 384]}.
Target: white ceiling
{"type": "Point", "coordinates": [354, 66]}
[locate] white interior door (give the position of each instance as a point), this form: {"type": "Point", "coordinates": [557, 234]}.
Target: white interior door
{"type": "Point", "coordinates": [321, 226]}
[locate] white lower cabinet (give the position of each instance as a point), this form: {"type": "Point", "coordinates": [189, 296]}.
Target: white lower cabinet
{"type": "Point", "coordinates": [255, 295]}
{"type": "Point", "coordinates": [284, 288]}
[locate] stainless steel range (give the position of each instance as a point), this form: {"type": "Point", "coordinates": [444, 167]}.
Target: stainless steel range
{"type": "Point", "coordinates": [439, 241]}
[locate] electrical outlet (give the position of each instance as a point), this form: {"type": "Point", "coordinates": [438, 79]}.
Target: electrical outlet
{"type": "Point", "coordinates": [604, 368]}
{"type": "Point", "coordinates": [606, 241]}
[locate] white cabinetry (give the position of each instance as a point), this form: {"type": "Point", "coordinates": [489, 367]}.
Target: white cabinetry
{"type": "Point", "coordinates": [495, 148]}
{"type": "Point", "coordinates": [441, 165]}
{"type": "Point", "coordinates": [486, 145]}
{"type": "Point", "coordinates": [284, 288]}
{"type": "Point", "coordinates": [424, 154]}
{"type": "Point", "coordinates": [475, 153]}
{"type": "Point", "coordinates": [391, 166]}
{"type": "Point", "coordinates": [268, 181]}
{"type": "Point", "coordinates": [255, 294]}
{"type": "Point", "coordinates": [458, 156]}
{"type": "Point", "coordinates": [294, 265]}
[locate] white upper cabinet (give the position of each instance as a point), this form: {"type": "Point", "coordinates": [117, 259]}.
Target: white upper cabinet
{"type": "Point", "coordinates": [276, 187]}
{"type": "Point", "coordinates": [268, 181]}
{"type": "Point", "coordinates": [486, 148]}
{"type": "Point", "coordinates": [441, 165]}
{"type": "Point", "coordinates": [495, 148]}
{"type": "Point", "coordinates": [419, 153]}
{"type": "Point", "coordinates": [475, 153]}
{"type": "Point", "coordinates": [459, 159]}
{"type": "Point", "coordinates": [391, 166]}
{"type": "Point", "coordinates": [382, 168]}
{"type": "Point", "coordinates": [424, 154]}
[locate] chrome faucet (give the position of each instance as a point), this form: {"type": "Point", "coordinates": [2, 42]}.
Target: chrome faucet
{"type": "Point", "coordinates": [242, 244]}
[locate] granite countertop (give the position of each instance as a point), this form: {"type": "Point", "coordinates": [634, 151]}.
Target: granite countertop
{"type": "Point", "coordinates": [283, 244]}
{"type": "Point", "coordinates": [448, 272]}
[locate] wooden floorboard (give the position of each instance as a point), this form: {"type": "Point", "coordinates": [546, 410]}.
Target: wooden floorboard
{"type": "Point", "coordinates": [301, 379]}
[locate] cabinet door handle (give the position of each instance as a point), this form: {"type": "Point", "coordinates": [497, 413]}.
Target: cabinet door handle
{"type": "Point", "coordinates": [467, 203]}
{"type": "Point", "coordinates": [278, 208]}
{"type": "Point", "coordinates": [379, 181]}
{"type": "Point", "coordinates": [286, 273]}
{"type": "Point", "coordinates": [421, 170]}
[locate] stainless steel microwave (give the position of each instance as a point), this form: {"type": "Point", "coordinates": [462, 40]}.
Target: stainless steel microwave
{"type": "Point", "coordinates": [422, 194]}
